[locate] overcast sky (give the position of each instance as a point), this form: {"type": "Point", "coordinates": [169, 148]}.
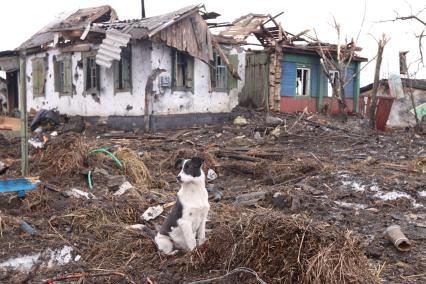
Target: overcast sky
{"type": "Point", "coordinates": [19, 19]}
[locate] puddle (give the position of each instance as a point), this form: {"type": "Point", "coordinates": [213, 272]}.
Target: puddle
{"type": "Point", "coordinates": [48, 258]}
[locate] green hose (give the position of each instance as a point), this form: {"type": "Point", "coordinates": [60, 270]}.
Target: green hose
{"type": "Point", "coordinates": [89, 179]}
{"type": "Point", "coordinates": [105, 151]}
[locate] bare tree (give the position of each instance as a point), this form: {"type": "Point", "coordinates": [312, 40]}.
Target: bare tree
{"type": "Point", "coordinates": [335, 61]}
{"type": "Point", "coordinates": [419, 17]}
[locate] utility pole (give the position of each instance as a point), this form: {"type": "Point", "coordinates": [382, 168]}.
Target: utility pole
{"type": "Point", "coordinates": [24, 116]}
{"type": "Point", "coordinates": [143, 8]}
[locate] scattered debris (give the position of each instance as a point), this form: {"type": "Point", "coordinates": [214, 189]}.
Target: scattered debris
{"type": "Point", "coordinates": [45, 119]}
{"type": "Point", "coordinates": [398, 239]}
{"type": "Point", "coordinates": [211, 175]}
{"type": "Point", "coordinates": [214, 194]}
{"type": "Point", "coordinates": [273, 119]}
{"type": "Point", "coordinates": [240, 120]}
{"type": "Point", "coordinates": [250, 199]}
{"type": "Point", "coordinates": [123, 188]}
{"type": "Point", "coordinates": [36, 143]}
{"type": "Point", "coordinates": [28, 228]}
{"type": "Point", "coordinates": [77, 193]}
{"type": "Point", "coordinates": [152, 212]}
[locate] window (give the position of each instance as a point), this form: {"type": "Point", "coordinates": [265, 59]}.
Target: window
{"type": "Point", "coordinates": [303, 81]}
{"type": "Point", "coordinates": [38, 76]}
{"type": "Point", "coordinates": [63, 74]}
{"type": "Point", "coordinates": [219, 74]}
{"type": "Point", "coordinates": [334, 80]}
{"type": "Point", "coordinates": [91, 75]}
{"type": "Point", "coordinates": [122, 71]}
{"type": "Point", "coordinates": [183, 71]}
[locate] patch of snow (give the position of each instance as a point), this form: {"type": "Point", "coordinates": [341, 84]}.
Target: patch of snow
{"type": "Point", "coordinates": [354, 185]}
{"type": "Point", "coordinates": [422, 193]}
{"type": "Point", "coordinates": [393, 195]}
{"type": "Point", "coordinates": [48, 258]}
{"type": "Point", "coordinates": [348, 205]}
{"type": "Point", "coordinates": [375, 188]}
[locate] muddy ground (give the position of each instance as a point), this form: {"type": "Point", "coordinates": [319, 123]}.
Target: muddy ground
{"type": "Point", "coordinates": [322, 186]}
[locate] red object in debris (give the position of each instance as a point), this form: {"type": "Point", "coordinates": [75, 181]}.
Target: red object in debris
{"type": "Point", "coordinates": [384, 106]}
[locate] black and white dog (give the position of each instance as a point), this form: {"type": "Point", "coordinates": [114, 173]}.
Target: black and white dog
{"type": "Point", "coordinates": [185, 227]}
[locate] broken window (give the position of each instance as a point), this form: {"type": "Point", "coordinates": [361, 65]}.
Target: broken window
{"type": "Point", "coordinates": [334, 80]}
{"type": "Point", "coordinates": [92, 72]}
{"type": "Point", "coordinates": [303, 81]}
{"type": "Point", "coordinates": [38, 76]}
{"type": "Point", "coordinates": [63, 74]}
{"type": "Point", "coordinates": [183, 71]}
{"type": "Point", "coordinates": [219, 73]}
{"type": "Point", "coordinates": [122, 71]}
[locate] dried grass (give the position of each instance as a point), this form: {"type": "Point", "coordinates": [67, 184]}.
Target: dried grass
{"type": "Point", "coordinates": [63, 157]}
{"type": "Point", "coordinates": [134, 167]}
{"type": "Point", "coordinates": [285, 249]}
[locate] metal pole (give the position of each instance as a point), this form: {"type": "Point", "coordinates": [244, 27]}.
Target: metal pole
{"type": "Point", "coordinates": [143, 8]}
{"type": "Point", "coordinates": [24, 116]}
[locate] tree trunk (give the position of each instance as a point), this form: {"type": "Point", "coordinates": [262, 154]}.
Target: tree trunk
{"type": "Point", "coordinates": [373, 107]}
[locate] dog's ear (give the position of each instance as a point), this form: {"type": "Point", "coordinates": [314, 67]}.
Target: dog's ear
{"type": "Point", "coordinates": [197, 162]}
{"type": "Point", "coordinates": [179, 163]}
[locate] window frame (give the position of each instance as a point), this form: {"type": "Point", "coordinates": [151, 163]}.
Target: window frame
{"type": "Point", "coordinates": [189, 63]}
{"type": "Point", "coordinates": [40, 90]}
{"type": "Point", "coordinates": [93, 89]}
{"type": "Point", "coordinates": [118, 69]}
{"type": "Point", "coordinates": [308, 85]}
{"type": "Point", "coordinates": [64, 60]}
{"type": "Point", "coordinates": [214, 74]}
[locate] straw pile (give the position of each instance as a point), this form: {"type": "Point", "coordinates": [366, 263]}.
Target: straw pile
{"type": "Point", "coordinates": [63, 156]}
{"type": "Point", "coordinates": [134, 166]}
{"type": "Point", "coordinates": [285, 249]}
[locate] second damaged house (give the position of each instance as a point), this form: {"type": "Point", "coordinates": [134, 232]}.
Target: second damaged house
{"type": "Point", "coordinates": [159, 72]}
{"type": "Point", "coordinates": [290, 67]}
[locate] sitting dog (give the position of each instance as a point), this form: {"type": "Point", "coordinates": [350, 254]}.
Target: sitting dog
{"type": "Point", "coordinates": [185, 227]}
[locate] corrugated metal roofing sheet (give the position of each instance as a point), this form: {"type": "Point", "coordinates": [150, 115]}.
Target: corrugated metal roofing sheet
{"type": "Point", "coordinates": [144, 28]}
{"type": "Point", "coordinates": [110, 48]}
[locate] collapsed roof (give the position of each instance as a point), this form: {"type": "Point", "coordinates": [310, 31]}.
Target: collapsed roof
{"type": "Point", "coordinates": [270, 34]}
{"type": "Point", "coordinates": [74, 21]}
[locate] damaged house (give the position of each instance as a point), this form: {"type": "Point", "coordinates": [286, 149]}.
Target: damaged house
{"type": "Point", "coordinates": [287, 75]}
{"type": "Point", "coordinates": [401, 93]}
{"type": "Point", "coordinates": [159, 72]}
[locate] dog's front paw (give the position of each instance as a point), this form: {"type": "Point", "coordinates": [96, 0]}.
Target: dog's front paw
{"type": "Point", "coordinates": [201, 241]}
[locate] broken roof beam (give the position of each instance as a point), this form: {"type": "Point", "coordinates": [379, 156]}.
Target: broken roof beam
{"type": "Point", "coordinates": [281, 30]}
{"type": "Point", "coordinates": [298, 36]}
{"type": "Point", "coordinates": [231, 68]}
